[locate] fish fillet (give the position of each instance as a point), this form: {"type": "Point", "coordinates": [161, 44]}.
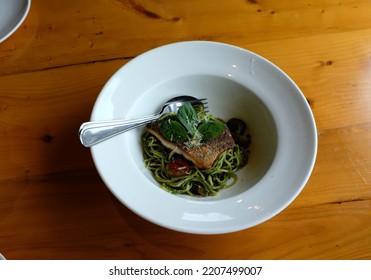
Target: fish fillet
{"type": "Point", "coordinates": [202, 156]}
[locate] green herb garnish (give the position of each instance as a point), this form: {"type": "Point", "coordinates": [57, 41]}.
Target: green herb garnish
{"type": "Point", "coordinates": [191, 127]}
{"type": "Point", "coordinates": [174, 131]}
{"type": "Point", "coordinates": [188, 116]}
{"type": "Point", "coordinates": [210, 130]}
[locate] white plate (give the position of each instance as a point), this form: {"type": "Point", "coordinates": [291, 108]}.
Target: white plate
{"type": "Point", "coordinates": [12, 14]}
{"type": "Point", "coordinates": [237, 83]}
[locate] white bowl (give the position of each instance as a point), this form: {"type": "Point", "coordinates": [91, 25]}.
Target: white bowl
{"type": "Point", "coordinates": [237, 83]}
{"type": "Point", "coordinates": [12, 15]}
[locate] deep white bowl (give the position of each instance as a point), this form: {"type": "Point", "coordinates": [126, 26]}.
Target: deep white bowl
{"type": "Point", "coordinates": [12, 15]}
{"type": "Point", "coordinates": [237, 83]}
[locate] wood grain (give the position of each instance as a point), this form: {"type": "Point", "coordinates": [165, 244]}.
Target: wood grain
{"type": "Point", "coordinates": [53, 204]}
{"type": "Point", "coordinates": [79, 32]}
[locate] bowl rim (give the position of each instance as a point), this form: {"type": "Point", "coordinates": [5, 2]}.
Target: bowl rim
{"type": "Point", "coordinates": [197, 227]}
{"type": "Point", "coordinates": [18, 20]}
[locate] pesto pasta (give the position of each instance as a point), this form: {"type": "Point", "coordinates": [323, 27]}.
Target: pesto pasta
{"type": "Point", "coordinates": [196, 182]}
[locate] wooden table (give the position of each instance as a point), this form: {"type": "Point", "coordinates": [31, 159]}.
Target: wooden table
{"type": "Point", "coordinates": [53, 204]}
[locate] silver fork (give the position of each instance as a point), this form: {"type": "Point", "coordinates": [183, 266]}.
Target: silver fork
{"type": "Point", "coordinates": [92, 133]}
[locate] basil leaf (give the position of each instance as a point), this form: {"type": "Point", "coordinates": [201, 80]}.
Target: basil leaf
{"type": "Point", "coordinates": [210, 130]}
{"type": "Point", "coordinates": [189, 118]}
{"type": "Point", "coordinates": [173, 131]}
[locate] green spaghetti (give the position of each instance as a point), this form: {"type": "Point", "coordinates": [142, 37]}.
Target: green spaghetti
{"type": "Point", "coordinates": [215, 150]}
{"type": "Point", "coordinates": [197, 182]}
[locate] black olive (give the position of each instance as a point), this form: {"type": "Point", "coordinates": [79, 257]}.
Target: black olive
{"type": "Point", "coordinates": [242, 140]}
{"type": "Point", "coordinates": [236, 125]}
{"type": "Point", "coordinates": [245, 157]}
{"type": "Point", "coordinates": [199, 190]}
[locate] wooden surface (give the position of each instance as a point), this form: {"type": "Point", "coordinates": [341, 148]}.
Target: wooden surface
{"type": "Point", "coordinates": [53, 204]}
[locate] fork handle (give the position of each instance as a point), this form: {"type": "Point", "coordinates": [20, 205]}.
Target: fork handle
{"type": "Point", "coordinates": [92, 133]}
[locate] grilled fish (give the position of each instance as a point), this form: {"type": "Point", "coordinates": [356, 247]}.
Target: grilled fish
{"type": "Point", "coordinates": [203, 156]}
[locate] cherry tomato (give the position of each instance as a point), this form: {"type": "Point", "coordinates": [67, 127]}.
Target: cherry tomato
{"type": "Point", "coordinates": [177, 167]}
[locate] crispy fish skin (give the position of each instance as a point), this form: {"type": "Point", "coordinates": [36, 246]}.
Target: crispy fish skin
{"type": "Point", "coordinates": [202, 156]}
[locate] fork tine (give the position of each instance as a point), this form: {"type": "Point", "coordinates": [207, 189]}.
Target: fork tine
{"type": "Point", "coordinates": [203, 101]}
{"type": "Point", "coordinates": [206, 106]}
